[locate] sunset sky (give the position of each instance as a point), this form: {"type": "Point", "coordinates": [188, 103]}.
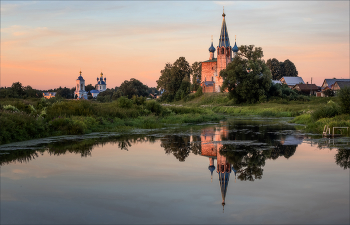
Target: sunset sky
{"type": "Point", "coordinates": [44, 44]}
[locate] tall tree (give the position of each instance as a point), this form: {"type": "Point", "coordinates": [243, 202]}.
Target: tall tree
{"type": "Point", "coordinates": [17, 89]}
{"type": "Point", "coordinates": [133, 87]}
{"type": "Point", "coordinates": [196, 75]}
{"type": "Point", "coordinates": [274, 66]}
{"type": "Point", "coordinates": [289, 69]}
{"type": "Point", "coordinates": [247, 78]}
{"type": "Point", "coordinates": [172, 76]}
{"type": "Point", "coordinates": [89, 87]}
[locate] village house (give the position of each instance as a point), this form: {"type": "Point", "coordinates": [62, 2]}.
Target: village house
{"type": "Point", "coordinates": [291, 81]}
{"type": "Point", "coordinates": [310, 89]}
{"type": "Point", "coordinates": [49, 95]}
{"type": "Point", "coordinates": [338, 85]}
{"type": "Point", "coordinates": [329, 82]}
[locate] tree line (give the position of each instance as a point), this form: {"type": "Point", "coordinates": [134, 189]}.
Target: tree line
{"type": "Point", "coordinates": [130, 88]}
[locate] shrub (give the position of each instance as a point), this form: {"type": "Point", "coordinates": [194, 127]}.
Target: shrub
{"type": "Point", "coordinates": [344, 98]}
{"type": "Point", "coordinates": [124, 102]}
{"type": "Point", "coordinates": [199, 92]}
{"type": "Point", "coordinates": [154, 107]}
{"type": "Point", "coordinates": [327, 111]}
{"type": "Point", "coordinates": [10, 108]}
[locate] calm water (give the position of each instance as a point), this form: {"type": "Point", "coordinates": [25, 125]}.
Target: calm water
{"type": "Point", "coordinates": [245, 172]}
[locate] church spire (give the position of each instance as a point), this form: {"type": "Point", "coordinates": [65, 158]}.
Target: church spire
{"type": "Point", "coordinates": [224, 40]}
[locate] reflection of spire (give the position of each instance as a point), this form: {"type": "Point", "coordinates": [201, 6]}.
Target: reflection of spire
{"type": "Point", "coordinates": [224, 177]}
{"type": "Point", "coordinates": [211, 168]}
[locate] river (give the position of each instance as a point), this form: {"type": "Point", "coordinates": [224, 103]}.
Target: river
{"type": "Point", "coordinates": [242, 171]}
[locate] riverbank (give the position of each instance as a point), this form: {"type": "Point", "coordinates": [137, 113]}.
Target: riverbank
{"type": "Point", "coordinates": [25, 119]}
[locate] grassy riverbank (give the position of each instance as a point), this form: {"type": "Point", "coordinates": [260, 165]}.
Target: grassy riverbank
{"type": "Point", "coordinates": [28, 119]}
{"type": "Point", "coordinates": [36, 118]}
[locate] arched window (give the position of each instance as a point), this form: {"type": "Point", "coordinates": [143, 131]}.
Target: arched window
{"type": "Point", "coordinates": [81, 88]}
{"type": "Point", "coordinates": [77, 87]}
{"type": "Point", "coordinates": [222, 50]}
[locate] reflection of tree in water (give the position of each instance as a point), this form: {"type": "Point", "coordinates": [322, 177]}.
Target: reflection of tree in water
{"type": "Point", "coordinates": [283, 150]}
{"type": "Point", "coordinates": [83, 147]}
{"type": "Point", "coordinates": [179, 146]}
{"type": "Point", "coordinates": [248, 163]}
{"type": "Point", "coordinates": [21, 156]}
{"type": "Point", "coordinates": [342, 158]}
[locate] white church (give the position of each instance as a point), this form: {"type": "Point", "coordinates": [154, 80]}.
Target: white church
{"type": "Point", "coordinates": [80, 92]}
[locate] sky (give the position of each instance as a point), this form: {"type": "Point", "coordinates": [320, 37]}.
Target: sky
{"type": "Point", "coordinates": [45, 44]}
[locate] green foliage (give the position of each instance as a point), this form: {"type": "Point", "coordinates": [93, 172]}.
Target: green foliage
{"type": "Point", "coordinates": [344, 100]}
{"type": "Point", "coordinates": [278, 91]}
{"type": "Point", "coordinates": [124, 102]}
{"type": "Point", "coordinates": [172, 77]}
{"type": "Point", "coordinates": [19, 126]}
{"type": "Point", "coordinates": [281, 69]}
{"type": "Point", "coordinates": [64, 93]}
{"type": "Point", "coordinates": [331, 109]}
{"type": "Point", "coordinates": [133, 87]}
{"type": "Point", "coordinates": [247, 77]}
{"type": "Point", "coordinates": [10, 108]}
{"type": "Point", "coordinates": [199, 92]}
{"type": "Point", "coordinates": [196, 75]}
{"type": "Point", "coordinates": [154, 107]}
{"type": "Point", "coordinates": [329, 93]}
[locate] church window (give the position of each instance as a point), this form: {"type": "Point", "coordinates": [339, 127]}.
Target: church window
{"type": "Point", "coordinates": [212, 78]}
{"type": "Point", "coordinates": [81, 88]}
{"type": "Point", "coordinates": [222, 50]}
{"type": "Point", "coordinates": [77, 87]}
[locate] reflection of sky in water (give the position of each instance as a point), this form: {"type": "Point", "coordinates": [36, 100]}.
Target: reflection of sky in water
{"type": "Point", "coordinates": [145, 185]}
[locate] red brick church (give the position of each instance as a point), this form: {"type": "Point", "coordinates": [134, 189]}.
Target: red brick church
{"type": "Point", "coordinates": [211, 81]}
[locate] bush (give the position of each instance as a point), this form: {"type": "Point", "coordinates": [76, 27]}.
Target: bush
{"type": "Point", "coordinates": [124, 102]}
{"type": "Point", "coordinates": [154, 107]}
{"type": "Point", "coordinates": [327, 111]}
{"type": "Point", "coordinates": [199, 92]}
{"type": "Point", "coordinates": [344, 98]}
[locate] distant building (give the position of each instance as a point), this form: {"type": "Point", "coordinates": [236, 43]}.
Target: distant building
{"type": "Point", "coordinates": [291, 81]}
{"type": "Point", "coordinates": [211, 81]}
{"type": "Point", "coordinates": [101, 83]}
{"type": "Point", "coordinates": [94, 93]}
{"type": "Point", "coordinates": [80, 92]}
{"type": "Point", "coordinates": [329, 82]}
{"type": "Point", "coordinates": [309, 89]}
{"type": "Point", "coordinates": [49, 95]}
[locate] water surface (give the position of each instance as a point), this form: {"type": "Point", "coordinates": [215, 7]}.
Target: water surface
{"type": "Point", "coordinates": [243, 171]}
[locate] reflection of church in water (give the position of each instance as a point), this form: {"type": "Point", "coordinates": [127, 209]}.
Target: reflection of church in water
{"type": "Point", "coordinates": [211, 148]}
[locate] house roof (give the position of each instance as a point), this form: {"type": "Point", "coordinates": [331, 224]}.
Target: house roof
{"type": "Point", "coordinates": [307, 87]}
{"type": "Point", "coordinates": [342, 84]}
{"type": "Point", "coordinates": [293, 80]}
{"type": "Point", "coordinates": [94, 91]}
{"type": "Point", "coordinates": [209, 83]}
{"type": "Point", "coordinates": [213, 60]}
{"type": "Point", "coordinates": [276, 82]}
{"type": "Point", "coordinates": [330, 82]}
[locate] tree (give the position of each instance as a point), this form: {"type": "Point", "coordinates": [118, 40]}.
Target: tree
{"type": "Point", "coordinates": [274, 66]}
{"type": "Point", "coordinates": [64, 92]}
{"type": "Point", "coordinates": [281, 69]}
{"type": "Point", "coordinates": [172, 76]}
{"type": "Point", "coordinates": [133, 87]}
{"type": "Point", "coordinates": [289, 69]}
{"type": "Point", "coordinates": [196, 75]}
{"type": "Point", "coordinates": [344, 97]}
{"type": "Point", "coordinates": [247, 78]}
{"type": "Point", "coordinates": [17, 89]}
{"type": "Point", "coordinates": [89, 87]}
